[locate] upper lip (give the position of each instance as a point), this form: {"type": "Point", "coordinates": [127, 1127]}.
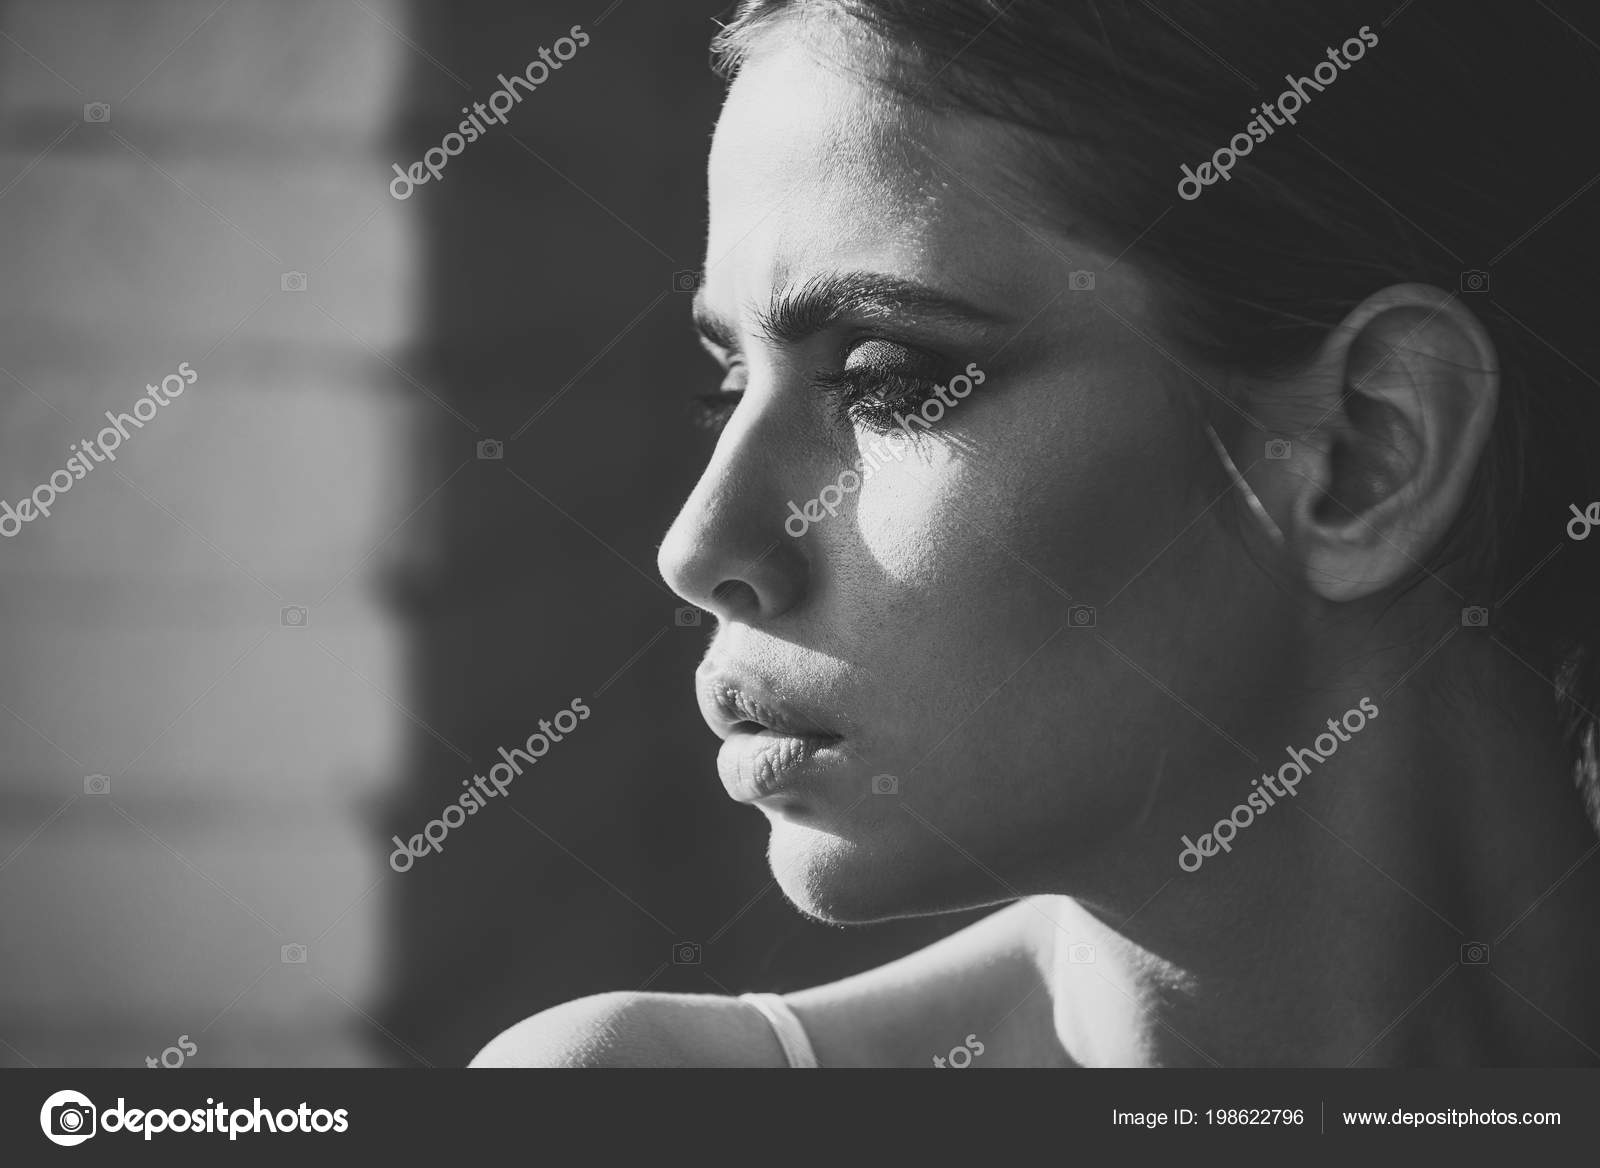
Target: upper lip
{"type": "Point", "coordinates": [730, 704]}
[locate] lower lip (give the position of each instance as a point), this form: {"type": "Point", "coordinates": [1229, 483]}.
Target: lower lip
{"type": "Point", "coordinates": [759, 764]}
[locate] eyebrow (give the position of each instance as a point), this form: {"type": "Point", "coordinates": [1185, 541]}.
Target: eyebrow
{"type": "Point", "coordinates": [795, 314]}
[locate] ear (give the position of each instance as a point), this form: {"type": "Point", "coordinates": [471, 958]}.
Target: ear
{"type": "Point", "coordinates": [1388, 424]}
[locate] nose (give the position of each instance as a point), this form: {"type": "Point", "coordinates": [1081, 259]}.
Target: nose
{"type": "Point", "coordinates": [727, 552]}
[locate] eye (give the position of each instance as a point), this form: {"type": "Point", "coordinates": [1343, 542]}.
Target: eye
{"type": "Point", "coordinates": [880, 382]}
{"type": "Point", "coordinates": [881, 379]}
{"type": "Point", "coordinates": [711, 411]}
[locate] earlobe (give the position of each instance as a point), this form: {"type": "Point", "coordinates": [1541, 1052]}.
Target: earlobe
{"type": "Point", "coordinates": [1404, 394]}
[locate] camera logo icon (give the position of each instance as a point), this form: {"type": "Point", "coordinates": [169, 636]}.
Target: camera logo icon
{"type": "Point", "coordinates": [1475, 953]}
{"type": "Point", "coordinates": [1278, 448]}
{"type": "Point", "coordinates": [1081, 616]}
{"type": "Point", "coordinates": [97, 111]}
{"type": "Point", "coordinates": [294, 616]}
{"type": "Point", "coordinates": [1080, 281]}
{"type": "Point", "coordinates": [292, 281]}
{"type": "Point", "coordinates": [491, 449]}
{"type": "Point", "coordinates": [685, 281]}
{"type": "Point", "coordinates": [686, 953]}
{"type": "Point", "coordinates": [97, 784]}
{"type": "Point", "coordinates": [1475, 616]}
{"type": "Point", "coordinates": [686, 617]}
{"type": "Point", "coordinates": [67, 1118]}
{"type": "Point", "coordinates": [1080, 954]}
{"type": "Point", "coordinates": [292, 954]}
{"type": "Point", "coordinates": [885, 785]}
{"type": "Point", "coordinates": [1474, 280]}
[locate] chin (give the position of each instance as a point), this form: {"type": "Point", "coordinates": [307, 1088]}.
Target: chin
{"type": "Point", "coordinates": [846, 880]}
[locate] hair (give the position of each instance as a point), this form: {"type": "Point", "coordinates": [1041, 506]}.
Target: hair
{"type": "Point", "coordinates": [1430, 161]}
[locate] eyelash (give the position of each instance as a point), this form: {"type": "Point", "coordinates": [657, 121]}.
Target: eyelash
{"type": "Point", "coordinates": [863, 396]}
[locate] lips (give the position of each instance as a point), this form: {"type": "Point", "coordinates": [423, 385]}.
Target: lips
{"type": "Point", "coordinates": [731, 705]}
{"type": "Point", "coordinates": [768, 745]}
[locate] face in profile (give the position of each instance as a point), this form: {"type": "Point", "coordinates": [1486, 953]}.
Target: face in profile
{"type": "Point", "coordinates": [947, 652]}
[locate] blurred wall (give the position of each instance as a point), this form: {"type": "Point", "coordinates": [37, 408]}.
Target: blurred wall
{"type": "Point", "coordinates": [142, 630]}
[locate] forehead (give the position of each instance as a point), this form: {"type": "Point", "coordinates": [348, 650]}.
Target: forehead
{"type": "Point", "coordinates": [815, 168]}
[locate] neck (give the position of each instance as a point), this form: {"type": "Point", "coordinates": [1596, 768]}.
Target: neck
{"type": "Point", "coordinates": [1343, 929]}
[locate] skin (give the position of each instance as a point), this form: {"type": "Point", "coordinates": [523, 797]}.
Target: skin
{"type": "Point", "coordinates": [1057, 766]}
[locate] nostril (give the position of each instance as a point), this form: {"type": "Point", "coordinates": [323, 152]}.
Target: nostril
{"type": "Point", "coordinates": [735, 597]}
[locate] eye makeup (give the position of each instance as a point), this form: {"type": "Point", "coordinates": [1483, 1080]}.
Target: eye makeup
{"type": "Point", "coordinates": [877, 380]}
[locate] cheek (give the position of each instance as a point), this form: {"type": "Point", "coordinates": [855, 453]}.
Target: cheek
{"type": "Point", "coordinates": [945, 586]}
{"type": "Point", "coordinates": [1041, 513]}
{"type": "Point", "coordinates": [970, 551]}
{"type": "Point", "coordinates": [908, 518]}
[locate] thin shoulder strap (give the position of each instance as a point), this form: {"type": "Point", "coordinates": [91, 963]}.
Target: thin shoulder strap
{"type": "Point", "coordinates": [787, 1026]}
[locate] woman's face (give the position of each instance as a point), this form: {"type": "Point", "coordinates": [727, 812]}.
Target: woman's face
{"type": "Point", "coordinates": [983, 736]}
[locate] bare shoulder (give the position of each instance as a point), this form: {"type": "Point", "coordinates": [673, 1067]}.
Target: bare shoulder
{"type": "Point", "coordinates": [627, 1029]}
{"type": "Point", "coordinates": [988, 982]}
